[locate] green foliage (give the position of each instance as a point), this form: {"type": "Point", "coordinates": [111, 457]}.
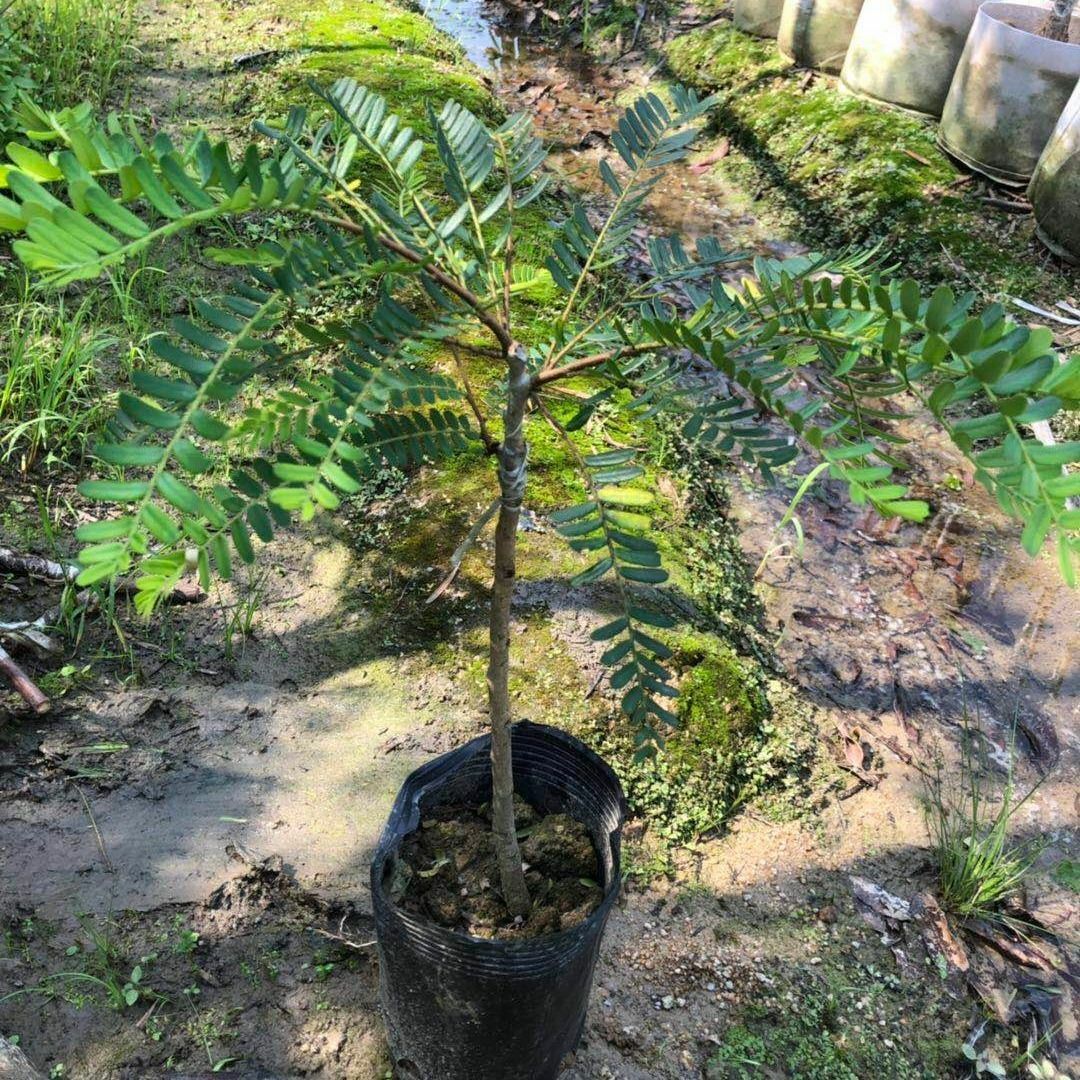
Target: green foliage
{"type": "Point", "coordinates": [723, 751]}
{"type": "Point", "coordinates": [979, 865]}
{"type": "Point", "coordinates": [102, 970]}
{"type": "Point", "coordinates": [803, 1045]}
{"type": "Point", "coordinates": [806, 355]}
{"type": "Point", "coordinates": [817, 1033]}
{"type": "Point", "coordinates": [76, 49]}
{"type": "Point", "coordinates": [1067, 873]}
{"type": "Point", "coordinates": [741, 1056]}
{"type": "Point", "coordinates": [14, 77]}
{"type": "Point", "coordinates": [51, 403]}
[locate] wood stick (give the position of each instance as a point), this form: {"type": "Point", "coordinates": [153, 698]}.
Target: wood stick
{"type": "Point", "coordinates": [12, 562]}
{"type": "Point", "coordinates": [22, 682]}
{"type": "Point", "coordinates": [28, 634]}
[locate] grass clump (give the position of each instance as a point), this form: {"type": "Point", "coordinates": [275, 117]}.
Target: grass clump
{"type": "Point", "coordinates": [979, 866]}
{"type": "Point", "coordinates": [51, 387]}
{"type": "Point", "coordinates": [79, 49]}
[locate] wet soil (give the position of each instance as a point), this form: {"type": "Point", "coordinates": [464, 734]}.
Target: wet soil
{"type": "Point", "coordinates": [447, 871]}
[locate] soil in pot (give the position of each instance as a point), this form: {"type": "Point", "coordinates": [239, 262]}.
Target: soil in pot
{"type": "Point", "coordinates": [1008, 91]}
{"type": "Point", "coordinates": [449, 873]}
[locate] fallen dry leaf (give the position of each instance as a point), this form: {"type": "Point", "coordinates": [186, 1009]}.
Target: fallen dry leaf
{"type": "Point", "coordinates": [723, 148]}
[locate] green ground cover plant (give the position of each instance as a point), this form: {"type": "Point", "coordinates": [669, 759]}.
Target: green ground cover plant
{"type": "Point", "coordinates": [75, 49]}
{"type": "Point", "coordinates": [835, 170]}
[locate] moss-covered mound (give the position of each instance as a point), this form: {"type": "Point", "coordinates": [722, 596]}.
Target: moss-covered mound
{"type": "Point", "coordinates": [384, 45]}
{"type": "Point", "coordinates": [838, 170]}
{"type": "Point", "coordinates": [719, 706]}
{"type": "Point", "coordinates": [705, 771]}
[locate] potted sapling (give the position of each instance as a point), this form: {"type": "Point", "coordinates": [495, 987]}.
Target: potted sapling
{"type": "Point", "coordinates": [1019, 67]}
{"type": "Point", "coordinates": [396, 284]}
{"type": "Point", "coordinates": [758, 17]}
{"type": "Point", "coordinates": [1055, 188]}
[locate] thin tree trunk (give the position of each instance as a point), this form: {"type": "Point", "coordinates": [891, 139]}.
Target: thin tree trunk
{"type": "Point", "coordinates": [1057, 22]}
{"type": "Point", "coordinates": [512, 457]}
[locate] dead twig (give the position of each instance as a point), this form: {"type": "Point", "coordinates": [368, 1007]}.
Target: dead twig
{"type": "Point", "coordinates": [11, 562]}
{"type": "Point", "coordinates": [28, 634]}
{"type": "Point", "coordinates": [28, 690]}
{"type": "Point", "coordinates": [358, 945]}
{"type": "Point", "coordinates": [595, 684]}
{"type": "Point", "coordinates": [1009, 205]}
{"type": "Point", "coordinates": [94, 826]}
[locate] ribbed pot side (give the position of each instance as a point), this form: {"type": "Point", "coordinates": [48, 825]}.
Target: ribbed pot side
{"type": "Point", "coordinates": [816, 33]}
{"type": "Point", "coordinates": [760, 17]}
{"type": "Point", "coordinates": [1055, 187]}
{"type": "Point", "coordinates": [465, 1008]}
{"type": "Point", "coordinates": [1009, 89]}
{"type": "Point", "coordinates": [904, 52]}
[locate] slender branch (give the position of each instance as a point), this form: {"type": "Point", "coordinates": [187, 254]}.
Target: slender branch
{"type": "Point", "coordinates": [548, 375]}
{"type": "Point", "coordinates": [28, 690]}
{"type": "Point", "coordinates": [437, 274]}
{"type": "Point", "coordinates": [476, 350]}
{"type": "Point", "coordinates": [508, 257]}
{"type": "Point", "coordinates": [491, 444]}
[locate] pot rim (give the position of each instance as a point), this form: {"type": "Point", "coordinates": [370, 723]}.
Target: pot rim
{"type": "Point", "coordinates": [991, 172]}
{"type": "Point", "coordinates": [993, 9]}
{"type": "Point", "coordinates": [1054, 247]}
{"type": "Point", "coordinates": [539, 948]}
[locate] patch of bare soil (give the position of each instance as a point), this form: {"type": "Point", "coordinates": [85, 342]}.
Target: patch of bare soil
{"type": "Point", "coordinates": [254, 980]}
{"type": "Point", "coordinates": [448, 872]}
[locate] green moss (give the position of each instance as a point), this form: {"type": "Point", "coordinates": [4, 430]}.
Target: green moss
{"type": "Point", "coordinates": [705, 770]}
{"type": "Point", "coordinates": [838, 170]}
{"type": "Point", "coordinates": [719, 704]}
{"type": "Point", "coordinates": [385, 46]}
{"type": "Point", "coordinates": [370, 24]}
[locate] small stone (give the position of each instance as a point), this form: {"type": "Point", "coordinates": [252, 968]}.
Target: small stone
{"type": "Point", "coordinates": [667, 1002]}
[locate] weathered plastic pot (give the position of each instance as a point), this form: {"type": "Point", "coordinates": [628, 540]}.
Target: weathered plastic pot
{"type": "Point", "coordinates": [1055, 187]}
{"type": "Point", "coordinates": [816, 33]}
{"type": "Point", "coordinates": [904, 52]}
{"type": "Point", "coordinates": [1009, 89]}
{"type": "Point", "coordinates": [463, 1008]}
{"type": "Point", "coordinates": [760, 17]}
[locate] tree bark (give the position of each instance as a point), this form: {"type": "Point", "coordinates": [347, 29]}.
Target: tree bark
{"type": "Point", "coordinates": [1056, 27]}
{"type": "Point", "coordinates": [512, 476]}
{"type": "Point", "coordinates": [13, 1063]}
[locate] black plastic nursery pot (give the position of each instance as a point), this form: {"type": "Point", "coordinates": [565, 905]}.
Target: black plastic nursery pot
{"type": "Point", "coordinates": [463, 1008]}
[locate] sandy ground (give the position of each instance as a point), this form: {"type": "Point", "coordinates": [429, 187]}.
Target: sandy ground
{"type": "Point", "coordinates": [239, 800]}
